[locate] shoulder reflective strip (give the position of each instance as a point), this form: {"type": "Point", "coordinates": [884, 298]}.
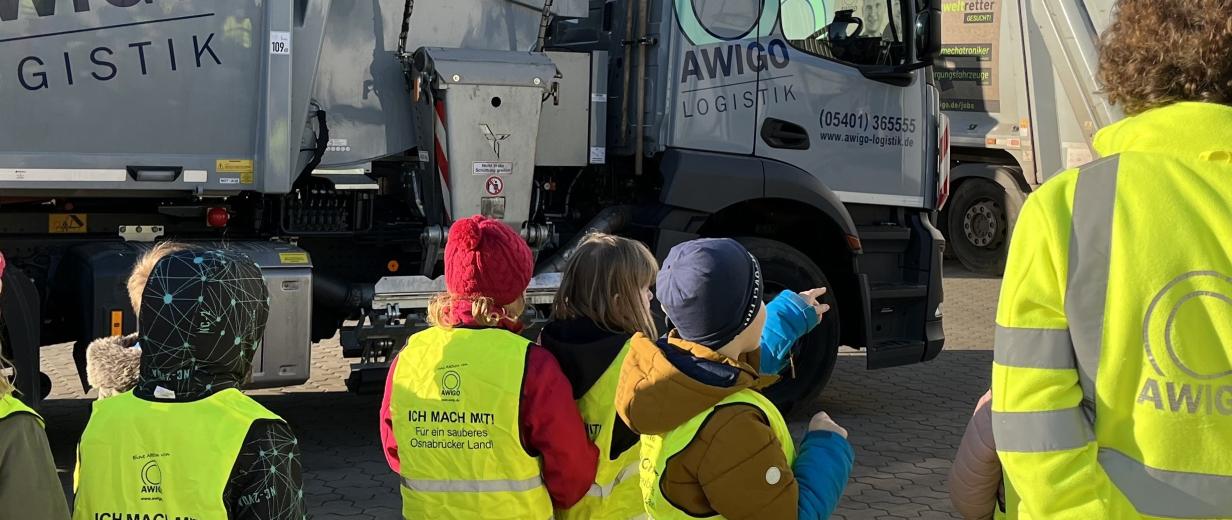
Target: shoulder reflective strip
{"type": "Point", "coordinates": [472, 486]}
{"type": "Point", "coordinates": [62, 175]}
{"type": "Point", "coordinates": [1032, 432]}
{"type": "Point", "coordinates": [1090, 244]}
{"type": "Point", "coordinates": [1033, 348]}
{"type": "Point", "coordinates": [597, 490]}
{"type": "Point", "coordinates": [1170, 494]}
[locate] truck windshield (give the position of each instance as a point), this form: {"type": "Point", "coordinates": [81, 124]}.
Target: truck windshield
{"type": "Point", "coordinates": [859, 32]}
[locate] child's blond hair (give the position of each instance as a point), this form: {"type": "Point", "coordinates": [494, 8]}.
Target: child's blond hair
{"type": "Point", "coordinates": [484, 310]}
{"type": "Point", "coordinates": [145, 266]}
{"type": "Point", "coordinates": [6, 378]}
{"type": "Point", "coordinates": [603, 282]}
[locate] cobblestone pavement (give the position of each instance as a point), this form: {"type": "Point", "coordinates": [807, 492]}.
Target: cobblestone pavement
{"type": "Point", "coordinates": [905, 422]}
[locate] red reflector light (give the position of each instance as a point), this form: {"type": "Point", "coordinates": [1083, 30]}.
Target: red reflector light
{"type": "Point", "coordinates": [217, 217]}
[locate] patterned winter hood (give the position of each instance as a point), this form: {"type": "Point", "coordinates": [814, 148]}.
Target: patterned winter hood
{"type": "Point", "coordinates": [202, 319]}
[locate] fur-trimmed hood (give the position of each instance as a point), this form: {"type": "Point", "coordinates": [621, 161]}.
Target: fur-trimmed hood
{"type": "Point", "coordinates": [113, 364]}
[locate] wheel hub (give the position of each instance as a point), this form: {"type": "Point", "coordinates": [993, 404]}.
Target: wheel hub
{"type": "Point", "coordinates": [980, 223]}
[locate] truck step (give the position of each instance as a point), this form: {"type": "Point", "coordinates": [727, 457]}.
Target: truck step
{"type": "Point", "coordinates": [897, 291]}
{"type": "Point", "coordinates": [895, 352]}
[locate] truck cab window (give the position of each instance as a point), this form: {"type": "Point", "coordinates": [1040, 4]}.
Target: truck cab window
{"type": "Point", "coordinates": [859, 32]}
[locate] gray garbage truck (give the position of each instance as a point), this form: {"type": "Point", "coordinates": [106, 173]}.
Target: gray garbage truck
{"type": "Point", "coordinates": [1018, 83]}
{"type": "Point", "coordinates": [335, 141]}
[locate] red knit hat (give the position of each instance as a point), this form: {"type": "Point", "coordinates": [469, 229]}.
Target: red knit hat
{"type": "Point", "coordinates": [485, 257]}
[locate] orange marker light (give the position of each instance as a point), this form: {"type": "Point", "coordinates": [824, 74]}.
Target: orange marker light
{"type": "Point", "coordinates": [393, 266]}
{"type": "Point", "coordinates": [117, 323]}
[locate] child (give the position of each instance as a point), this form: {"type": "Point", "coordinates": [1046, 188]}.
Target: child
{"type": "Point", "coordinates": [477, 420]}
{"type": "Point", "coordinates": [711, 444]}
{"type": "Point", "coordinates": [29, 487]}
{"type": "Point", "coordinates": [184, 441]}
{"type": "Point", "coordinates": [603, 301]}
{"type": "Point", "coordinates": [976, 489]}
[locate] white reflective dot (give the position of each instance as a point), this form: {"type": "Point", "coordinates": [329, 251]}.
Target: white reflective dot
{"type": "Point", "coordinates": [773, 475]}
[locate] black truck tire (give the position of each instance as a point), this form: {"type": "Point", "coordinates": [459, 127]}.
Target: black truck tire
{"type": "Point", "coordinates": [786, 268]}
{"type": "Point", "coordinates": [979, 222]}
{"type": "Point", "coordinates": [21, 323]}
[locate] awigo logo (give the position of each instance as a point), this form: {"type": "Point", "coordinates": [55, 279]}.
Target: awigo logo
{"type": "Point", "coordinates": [451, 385]}
{"type": "Point", "coordinates": [708, 23]}
{"type": "Point", "coordinates": [1186, 332]}
{"type": "Point", "coordinates": [151, 479]}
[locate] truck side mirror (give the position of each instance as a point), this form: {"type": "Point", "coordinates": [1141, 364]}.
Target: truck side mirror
{"type": "Point", "coordinates": [928, 30]}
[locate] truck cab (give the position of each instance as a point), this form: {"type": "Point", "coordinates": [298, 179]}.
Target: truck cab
{"type": "Point", "coordinates": [334, 142]}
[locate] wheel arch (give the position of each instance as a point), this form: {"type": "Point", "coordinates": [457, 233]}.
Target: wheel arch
{"type": "Point", "coordinates": [811, 231]}
{"type": "Point", "coordinates": [713, 194]}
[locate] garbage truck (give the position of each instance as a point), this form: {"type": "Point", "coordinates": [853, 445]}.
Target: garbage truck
{"type": "Point", "coordinates": [334, 142]}
{"type": "Point", "coordinates": [1018, 83]}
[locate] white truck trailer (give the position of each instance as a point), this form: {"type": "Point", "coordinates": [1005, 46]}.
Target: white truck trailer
{"type": "Point", "coordinates": [1018, 82]}
{"type": "Point", "coordinates": [335, 141]}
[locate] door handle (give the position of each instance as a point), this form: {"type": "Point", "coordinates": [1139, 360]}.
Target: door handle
{"type": "Point", "coordinates": [778, 133]}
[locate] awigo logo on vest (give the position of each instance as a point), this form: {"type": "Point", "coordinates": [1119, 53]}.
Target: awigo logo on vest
{"type": "Point", "coordinates": [451, 386]}
{"type": "Point", "coordinates": [151, 481]}
{"type": "Point", "coordinates": [1186, 334]}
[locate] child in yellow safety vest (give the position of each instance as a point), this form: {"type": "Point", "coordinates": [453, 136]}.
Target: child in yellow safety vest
{"type": "Point", "coordinates": [478, 421]}
{"type": "Point", "coordinates": [711, 444]}
{"type": "Point", "coordinates": [29, 487]}
{"type": "Point", "coordinates": [171, 434]}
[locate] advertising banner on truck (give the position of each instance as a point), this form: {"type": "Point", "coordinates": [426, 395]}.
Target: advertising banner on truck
{"type": "Point", "coordinates": [970, 39]}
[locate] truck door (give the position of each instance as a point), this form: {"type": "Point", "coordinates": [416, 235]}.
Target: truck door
{"type": "Point", "coordinates": [828, 106]}
{"type": "Point", "coordinates": [715, 80]}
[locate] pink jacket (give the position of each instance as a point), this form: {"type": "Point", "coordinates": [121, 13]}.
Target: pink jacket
{"type": "Point", "coordinates": [975, 478]}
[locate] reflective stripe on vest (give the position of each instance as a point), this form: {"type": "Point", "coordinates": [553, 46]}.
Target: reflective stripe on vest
{"type": "Point", "coordinates": [144, 458]}
{"type": "Point", "coordinates": [454, 406]}
{"type": "Point", "coordinates": [1152, 490]}
{"type": "Point", "coordinates": [615, 494]}
{"type": "Point", "coordinates": [10, 405]}
{"type": "Point", "coordinates": [657, 449]}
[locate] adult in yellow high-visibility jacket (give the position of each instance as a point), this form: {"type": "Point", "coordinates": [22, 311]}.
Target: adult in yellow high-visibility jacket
{"type": "Point", "coordinates": [1112, 376]}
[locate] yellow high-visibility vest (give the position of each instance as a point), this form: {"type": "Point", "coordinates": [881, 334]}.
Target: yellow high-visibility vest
{"type": "Point", "coordinates": [657, 449]}
{"type": "Point", "coordinates": [145, 458]}
{"type": "Point", "coordinates": [455, 406]}
{"type": "Point", "coordinates": [10, 405]}
{"type": "Point", "coordinates": [1112, 371]}
{"type": "Point", "coordinates": [615, 494]}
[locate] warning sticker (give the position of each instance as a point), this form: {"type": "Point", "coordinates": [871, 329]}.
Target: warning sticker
{"type": "Point", "coordinates": [246, 178]}
{"type": "Point", "coordinates": [233, 166]}
{"type": "Point", "coordinates": [67, 223]}
{"type": "Point", "coordinates": [494, 186]}
{"type": "Point", "coordinates": [293, 258]}
{"type": "Point", "coordinates": [492, 168]}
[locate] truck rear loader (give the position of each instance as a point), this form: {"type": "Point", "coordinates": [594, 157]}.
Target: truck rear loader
{"type": "Point", "coordinates": [1018, 83]}
{"type": "Point", "coordinates": [335, 141]}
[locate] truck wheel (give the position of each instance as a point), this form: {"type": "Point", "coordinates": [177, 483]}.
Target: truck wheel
{"type": "Point", "coordinates": [786, 268]}
{"type": "Point", "coordinates": [22, 322]}
{"type": "Point", "coordinates": [980, 220]}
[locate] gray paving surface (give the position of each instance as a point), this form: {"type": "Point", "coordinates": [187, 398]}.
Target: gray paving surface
{"type": "Point", "coordinates": [905, 422]}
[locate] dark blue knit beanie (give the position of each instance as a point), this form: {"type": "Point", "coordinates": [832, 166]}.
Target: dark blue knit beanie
{"type": "Point", "coordinates": [711, 289]}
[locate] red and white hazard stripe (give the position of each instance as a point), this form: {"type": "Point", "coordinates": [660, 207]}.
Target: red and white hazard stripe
{"type": "Point", "coordinates": [943, 163]}
{"type": "Point", "coordinates": [442, 157]}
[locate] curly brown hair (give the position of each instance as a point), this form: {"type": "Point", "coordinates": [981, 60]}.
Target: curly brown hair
{"type": "Point", "coordinates": [1159, 52]}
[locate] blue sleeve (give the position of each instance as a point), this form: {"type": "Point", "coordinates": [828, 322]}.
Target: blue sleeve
{"type": "Point", "coordinates": [788, 318]}
{"type": "Point", "coordinates": [822, 467]}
